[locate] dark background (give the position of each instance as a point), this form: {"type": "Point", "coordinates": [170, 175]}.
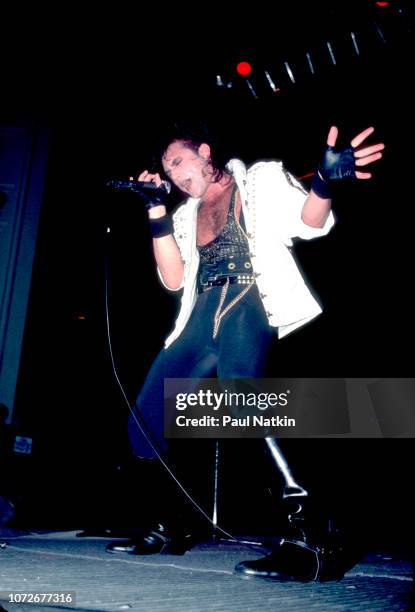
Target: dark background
{"type": "Point", "coordinates": [104, 84]}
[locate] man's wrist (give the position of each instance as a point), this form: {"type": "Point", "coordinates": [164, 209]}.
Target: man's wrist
{"type": "Point", "coordinates": [321, 187]}
{"type": "Point", "coordinates": [161, 226]}
{"type": "Point", "coordinates": [155, 212]}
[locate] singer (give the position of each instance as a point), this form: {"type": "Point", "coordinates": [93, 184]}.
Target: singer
{"type": "Point", "coordinates": [227, 248]}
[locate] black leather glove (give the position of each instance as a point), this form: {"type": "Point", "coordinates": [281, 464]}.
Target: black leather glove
{"type": "Point", "coordinates": [152, 196]}
{"type": "Point", "coordinates": [155, 197]}
{"type": "Point", "coordinates": [337, 164]}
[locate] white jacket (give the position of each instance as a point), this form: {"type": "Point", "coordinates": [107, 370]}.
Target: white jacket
{"type": "Point", "coordinates": [272, 201]}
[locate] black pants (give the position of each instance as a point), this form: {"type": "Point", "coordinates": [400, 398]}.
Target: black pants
{"type": "Point", "coordinates": [239, 350]}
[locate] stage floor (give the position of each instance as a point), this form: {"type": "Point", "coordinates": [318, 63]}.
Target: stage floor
{"type": "Point", "coordinates": [201, 580]}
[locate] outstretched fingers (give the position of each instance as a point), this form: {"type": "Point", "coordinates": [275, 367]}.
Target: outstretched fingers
{"type": "Point", "coordinates": [366, 155]}
{"type": "Point", "coordinates": [369, 150]}
{"type": "Point", "coordinates": [332, 136]}
{"type": "Point", "coordinates": [363, 175]}
{"type": "Point", "coordinates": [357, 140]}
{"type": "Point", "coordinates": [368, 160]}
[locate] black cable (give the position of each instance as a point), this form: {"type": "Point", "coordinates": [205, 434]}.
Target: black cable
{"type": "Point", "coordinates": [141, 424]}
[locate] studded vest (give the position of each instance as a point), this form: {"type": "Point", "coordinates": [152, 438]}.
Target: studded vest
{"type": "Point", "coordinates": [230, 243]}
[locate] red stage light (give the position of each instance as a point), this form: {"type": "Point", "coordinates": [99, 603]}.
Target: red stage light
{"type": "Point", "coordinates": [244, 68]}
{"type": "Point", "coordinates": [382, 4]}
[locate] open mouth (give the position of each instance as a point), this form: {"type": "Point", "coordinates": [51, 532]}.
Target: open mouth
{"type": "Point", "coordinates": [185, 185]}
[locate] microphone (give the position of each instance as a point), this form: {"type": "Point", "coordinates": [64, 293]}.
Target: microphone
{"type": "Point", "coordinates": [137, 186]}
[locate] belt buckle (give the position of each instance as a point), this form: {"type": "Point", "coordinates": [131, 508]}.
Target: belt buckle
{"type": "Point", "coordinates": [212, 280]}
{"type": "Point", "coordinates": [209, 283]}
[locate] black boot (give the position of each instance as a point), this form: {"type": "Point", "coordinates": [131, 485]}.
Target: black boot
{"type": "Point", "coordinates": [311, 549]}
{"type": "Point", "coordinates": [166, 515]}
{"type": "Point", "coordinates": [163, 539]}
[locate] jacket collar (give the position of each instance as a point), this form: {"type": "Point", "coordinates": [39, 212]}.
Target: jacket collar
{"type": "Point", "coordinates": [238, 169]}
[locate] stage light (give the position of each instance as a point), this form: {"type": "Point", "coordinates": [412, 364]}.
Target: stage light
{"type": "Point", "coordinates": [289, 72]}
{"type": "Point", "coordinates": [251, 89]}
{"type": "Point", "coordinates": [222, 82]}
{"type": "Point", "coordinates": [310, 63]}
{"type": "Point", "coordinates": [380, 32]}
{"type": "Point", "coordinates": [271, 83]}
{"type": "Point", "coordinates": [354, 41]}
{"type": "Point", "coordinates": [330, 50]}
{"type": "Point", "coordinates": [244, 68]}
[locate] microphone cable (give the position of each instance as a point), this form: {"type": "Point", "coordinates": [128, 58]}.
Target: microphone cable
{"type": "Point", "coordinates": [142, 426]}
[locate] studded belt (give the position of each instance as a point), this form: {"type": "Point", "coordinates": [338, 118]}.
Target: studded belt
{"type": "Point", "coordinates": [236, 270]}
{"type": "Point", "coordinates": [240, 279]}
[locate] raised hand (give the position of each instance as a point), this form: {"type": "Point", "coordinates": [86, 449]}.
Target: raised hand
{"type": "Point", "coordinates": [343, 163]}
{"type": "Point", "coordinates": [154, 197]}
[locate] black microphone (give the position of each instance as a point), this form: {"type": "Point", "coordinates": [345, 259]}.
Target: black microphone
{"type": "Point", "coordinates": [137, 186]}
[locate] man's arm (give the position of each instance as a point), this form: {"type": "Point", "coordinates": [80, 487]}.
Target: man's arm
{"type": "Point", "coordinates": [167, 254]}
{"type": "Point", "coordinates": [336, 166]}
{"type": "Point", "coordinates": [315, 210]}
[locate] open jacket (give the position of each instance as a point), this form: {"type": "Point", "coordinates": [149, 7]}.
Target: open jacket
{"type": "Point", "coordinates": [272, 201]}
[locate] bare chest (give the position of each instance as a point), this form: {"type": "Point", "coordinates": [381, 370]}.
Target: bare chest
{"type": "Point", "coordinates": [211, 219]}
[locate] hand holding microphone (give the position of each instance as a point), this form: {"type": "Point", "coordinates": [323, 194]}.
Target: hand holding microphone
{"type": "Point", "coordinates": [149, 187]}
{"type": "Point", "coordinates": [161, 223]}
{"type": "Point", "coordinates": [153, 191]}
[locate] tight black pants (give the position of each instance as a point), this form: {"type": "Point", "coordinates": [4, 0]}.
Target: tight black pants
{"type": "Point", "coordinates": [239, 350]}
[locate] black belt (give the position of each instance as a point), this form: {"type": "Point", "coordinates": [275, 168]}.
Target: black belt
{"type": "Point", "coordinates": [239, 279]}
{"type": "Point", "coordinates": [233, 266]}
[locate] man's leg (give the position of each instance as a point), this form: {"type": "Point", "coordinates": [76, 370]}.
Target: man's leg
{"type": "Point", "coordinates": [190, 356]}
{"type": "Point", "coordinates": [311, 547]}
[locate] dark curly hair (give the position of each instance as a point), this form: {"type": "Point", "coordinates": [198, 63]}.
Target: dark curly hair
{"type": "Point", "coordinates": [192, 134]}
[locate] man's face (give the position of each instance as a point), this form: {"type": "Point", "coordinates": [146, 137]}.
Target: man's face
{"type": "Point", "coordinates": [190, 171]}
